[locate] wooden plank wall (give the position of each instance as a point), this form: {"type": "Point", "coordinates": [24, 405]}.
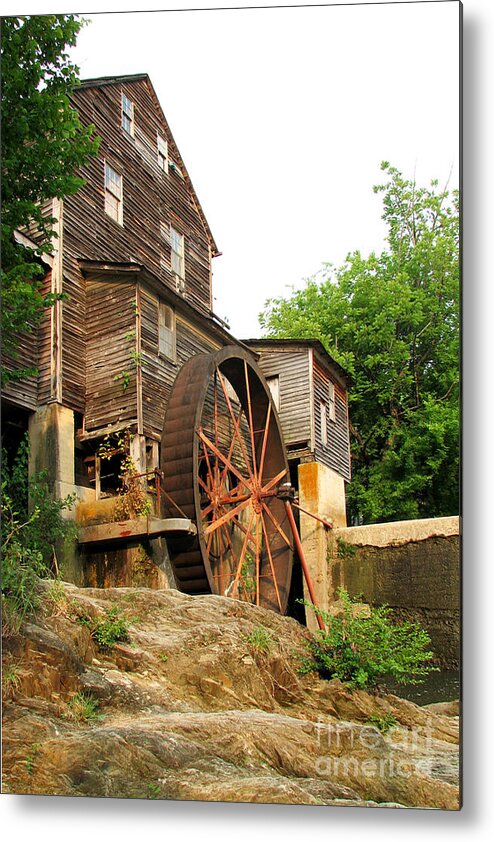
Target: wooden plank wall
{"type": "Point", "coordinates": [75, 326]}
{"type": "Point", "coordinates": [44, 348]}
{"type": "Point", "coordinates": [336, 454]}
{"type": "Point", "coordinates": [111, 317]}
{"type": "Point", "coordinates": [158, 372]}
{"type": "Point", "coordinates": [292, 367]}
{"type": "Point", "coordinates": [152, 199]}
{"type": "Point", "coordinates": [23, 393]}
{"type": "Point", "coordinates": [32, 346]}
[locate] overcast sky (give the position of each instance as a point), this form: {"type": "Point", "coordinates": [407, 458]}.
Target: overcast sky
{"type": "Point", "coordinates": [282, 117]}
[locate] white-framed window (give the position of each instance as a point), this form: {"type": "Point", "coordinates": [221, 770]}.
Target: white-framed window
{"type": "Point", "coordinates": [178, 252]}
{"type": "Point", "coordinates": [166, 331]}
{"type": "Point", "coordinates": [332, 403]}
{"type": "Point", "coordinates": [162, 154]}
{"type": "Point", "coordinates": [324, 422]}
{"type": "Point", "coordinates": [127, 115]}
{"type": "Point", "coordinates": [274, 387]}
{"type": "Point", "coordinates": [113, 194]}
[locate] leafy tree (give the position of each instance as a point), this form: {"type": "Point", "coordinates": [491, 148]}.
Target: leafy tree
{"type": "Point", "coordinates": [392, 320]}
{"type": "Point", "coordinates": [43, 144]}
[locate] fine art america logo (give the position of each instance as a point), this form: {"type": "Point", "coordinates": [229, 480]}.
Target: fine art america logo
{"type": "Point", "coordinates": [344, 751]}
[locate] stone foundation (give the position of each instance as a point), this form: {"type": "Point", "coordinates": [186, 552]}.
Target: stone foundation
{"type": "Point", "coordinates": [412, 566]}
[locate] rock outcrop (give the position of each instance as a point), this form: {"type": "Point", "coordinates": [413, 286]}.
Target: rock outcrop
{"type": "Point", "coordinates": [204, 701]}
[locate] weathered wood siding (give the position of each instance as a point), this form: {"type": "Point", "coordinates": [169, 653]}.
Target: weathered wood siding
{"type": "Point", "coordinates": [336, 453]}
{"type": "Point", "coordinates": [292, 368]}
{"type": "Point", "coordinates": [111, 350]}
{"type": "Point", "coordinates": [45, 348]}
{"type": "Point", "coordinates": [158, 372]}
{"type": "Point", "coordinates": [152, 198]}
{"type": "Point", "coordinates": [75, 328]}
{"type": "Point", "coordinates": [23, 393]}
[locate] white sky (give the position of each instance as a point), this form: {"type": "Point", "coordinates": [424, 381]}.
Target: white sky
{"type": "Point", "coordinates": [283, 116]}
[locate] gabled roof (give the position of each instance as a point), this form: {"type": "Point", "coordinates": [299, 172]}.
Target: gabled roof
{"type": "Point", "coordinates": [316, 344]}
{"type": "Point", "coordinates": [103, 81]}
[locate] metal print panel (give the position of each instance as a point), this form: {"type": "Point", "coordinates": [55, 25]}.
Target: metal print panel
{"type": "Point", "coordinates": [231, 403]}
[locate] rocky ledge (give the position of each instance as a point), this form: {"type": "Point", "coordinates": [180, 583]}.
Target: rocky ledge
{"type": "Point", "coordinates": [204, 701]}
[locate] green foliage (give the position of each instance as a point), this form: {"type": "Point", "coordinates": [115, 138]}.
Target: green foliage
{"type": "Point", "coordinates": [30, 758]}
{"type": "Point", "coordinates": [21, 566]}
{"type": "Point", "coordinates": [83, 707]}
{"type": "Point", "coordinates": [132, 502]}
{"type": "Point", "coordinates": [111, 630]}
{"type": "Point", "coordinates": [362, 650]}
{"type": "Point", "coordinates": [247, 582]}
{"type": "Point", "coordinates": [124, 378]}
{"type": "Point", "coordinates": [260, 640]}
{"type": "Point", "coordinates": [153, 790]}
{"type": "Point", "coordinates": [392, 320]}
{"type": "Point", "coordinates": [345, 550]}
{"type": "Point", "coordinates": [383, 723]}
{"type": "Point", "coordinates": [32, 526]}
{"type": "Point", "coordinates": [43, 145]}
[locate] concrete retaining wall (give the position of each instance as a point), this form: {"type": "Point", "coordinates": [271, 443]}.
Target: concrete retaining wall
{"type": "Point", "coordinates": [414, 567]}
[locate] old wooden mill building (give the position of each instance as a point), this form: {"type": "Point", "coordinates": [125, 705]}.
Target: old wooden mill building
{"type": "Point", "coordinates": [139, 382]}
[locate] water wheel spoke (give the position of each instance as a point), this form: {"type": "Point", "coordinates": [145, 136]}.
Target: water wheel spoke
{"type": "Point", "coordinates": [232, 447]}
{"type": "Point", "coordinates": [258, 563]}
{"type": "Point", "coordinates": [250, 421]}
{"type": "Point", "coordinates": [264, 442]}
{"type": "Point", "coordinates": [231, 499]}
{"type": "Point", "coordinates": [272, 482]}
{"type": "Point", "coordinates": [237, 427]}
{"type": "Point", "coordinates": [233, 555]}
{"type": "Point", "coordinates": [271, 563]}
{"type": "Point", "coordinates": [242, 554]}
{"type": "Point", "coordinates": [212, 527]}
{"type": "Point", "coordinates": [231, 467]}
{"type": "Point", "coordinates": [204, 486]}
{"type": "Point", "coordinates": [276, 524]}
{"type": "Point", "coordinates": [207, 511]}
{"type": "Point", "coordinates": [210, 475]}
{"type": "Point", "coordinates": [216, 426]}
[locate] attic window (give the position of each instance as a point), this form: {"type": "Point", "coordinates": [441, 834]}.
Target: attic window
{"type": "Point", "coordinates": [332, 403]}
{"type": "Point", "coordinates": [162, 154]}
{"type": "Point", "coordinates": [127, 115]}
{"type": "Point", "coordinates": [178, 252]}
{"type": "Point", "coordinates": [113, 194]}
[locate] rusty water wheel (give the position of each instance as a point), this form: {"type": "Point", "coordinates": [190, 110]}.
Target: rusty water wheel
{"type": "Point", "coordinates": [223, 456]}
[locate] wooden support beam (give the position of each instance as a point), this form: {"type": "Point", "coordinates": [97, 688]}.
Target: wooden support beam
{"type": "Point", "coordinates": [127, 530]}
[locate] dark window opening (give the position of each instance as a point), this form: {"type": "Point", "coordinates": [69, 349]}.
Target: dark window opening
{"type": "Point", "coordinates": [110, 470]}
{"type": "Point", "coordinates": [82, 469]}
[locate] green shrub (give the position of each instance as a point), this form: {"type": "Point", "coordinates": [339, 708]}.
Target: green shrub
{"type": "Point", "coordinates": [362, 650]}
{"type": "Point", "coordinates": [382, 723]}
{"type": "Point", "coordinates": [32, 525]}
{"type": "Point", "coordinates": [83, 707]}
{"type": "Point", "coordinates": [22, 564]}
{"type": "Point", "coordinates": [260, 639]}
{"type": "Point", "coordinates": [109, 631]}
